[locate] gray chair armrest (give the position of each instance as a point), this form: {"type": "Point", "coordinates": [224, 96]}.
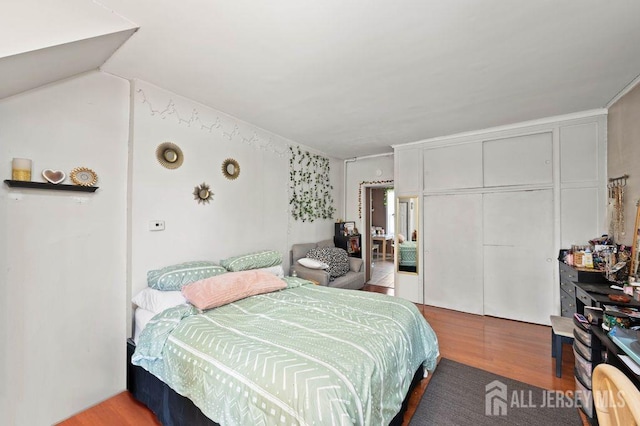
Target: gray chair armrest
{"type": "Point", "coordinates": [355, 264]}
{"type": "Point", "coordinates": [319, 275]}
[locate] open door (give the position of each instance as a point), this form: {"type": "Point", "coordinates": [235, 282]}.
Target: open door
{"type": "Point", "coordinates": [366, 235]}
{"type": "Point", "coordinates": [378, 232]}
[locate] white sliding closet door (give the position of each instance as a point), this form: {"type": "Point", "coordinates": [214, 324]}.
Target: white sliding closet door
{"type": "Point", "coordinates": [518, 253]}
{"type": "Point", "coordinates": [453, 252]}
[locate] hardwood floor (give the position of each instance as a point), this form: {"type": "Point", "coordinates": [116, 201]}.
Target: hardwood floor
{"type": "Point", "coordinates": [382, 273]}
{"type": "Point", "coordinates": [513, 349]}
{"type": "Point", "coordinates": [121, 409]}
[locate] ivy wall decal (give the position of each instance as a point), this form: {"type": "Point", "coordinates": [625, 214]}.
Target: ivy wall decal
{"type": "Point", "coordinates": [310, 188]}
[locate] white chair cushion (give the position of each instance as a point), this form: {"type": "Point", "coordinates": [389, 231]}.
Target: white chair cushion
{"type": "Point", "coordinates": [312, 263]}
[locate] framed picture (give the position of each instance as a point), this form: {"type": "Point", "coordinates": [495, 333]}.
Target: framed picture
{"type": "Point", "coordinates": [349, 228]}
{"type": "Point", "coordinates": [354, 245]}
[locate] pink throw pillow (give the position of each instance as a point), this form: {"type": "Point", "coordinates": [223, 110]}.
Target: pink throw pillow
{"type": "Point", "coordinates": [226, 288]}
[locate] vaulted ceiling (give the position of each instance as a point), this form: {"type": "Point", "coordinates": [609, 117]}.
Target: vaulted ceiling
{"type": "Point", "coordinates": [351, 78]}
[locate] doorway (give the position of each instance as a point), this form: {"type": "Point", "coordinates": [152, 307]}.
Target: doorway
{"type": "Point", "coordinates": [379, 230]}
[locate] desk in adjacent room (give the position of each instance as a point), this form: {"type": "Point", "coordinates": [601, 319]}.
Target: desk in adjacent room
{"type": "Point", "coordinates": [383, 240]}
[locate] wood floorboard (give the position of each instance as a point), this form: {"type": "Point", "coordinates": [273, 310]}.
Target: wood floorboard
{"type": "Point", "coordinates": [382, 272]}
{"type": "Point", "coordinates": [513, 349]}
{"type": "Point", "coordinates": [121, 409]}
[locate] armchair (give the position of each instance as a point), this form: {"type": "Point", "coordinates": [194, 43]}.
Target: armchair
{"type": "Point", "coordinates": [354, 279]}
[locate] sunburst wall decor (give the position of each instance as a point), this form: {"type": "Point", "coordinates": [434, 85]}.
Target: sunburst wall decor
{"type": "Point", "coordinates": [202, 193]}
{"type": "Point", "coordinates": [169, 155]}
{"type": "Point", "coordinates": [230, 169]}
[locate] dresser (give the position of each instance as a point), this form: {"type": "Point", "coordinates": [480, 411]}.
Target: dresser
{"type": "Point", "coordinates": [580, 287]}
{"type": "Point", "coordinates": [567, 290]}
{"type": "Point", "coordinates": [570, 294]}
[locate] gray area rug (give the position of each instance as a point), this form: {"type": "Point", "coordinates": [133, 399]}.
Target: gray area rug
{"type": "Point", "coordinates": [461, 395]}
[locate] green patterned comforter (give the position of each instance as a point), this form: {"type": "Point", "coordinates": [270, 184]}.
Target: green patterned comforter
{"type": "Point", "coordinates": [300, 356]}
{"type": "Point", "coordinates": [408, 253]}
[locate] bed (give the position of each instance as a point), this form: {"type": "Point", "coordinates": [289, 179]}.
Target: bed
{"type": "Point", "coordinates": [306, 354]}
{"type": "Point", "coordinates": [407, 255]}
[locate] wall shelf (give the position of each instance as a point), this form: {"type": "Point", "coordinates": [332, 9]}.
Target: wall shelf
{"type": "Point", "coordinates": [51, 186]}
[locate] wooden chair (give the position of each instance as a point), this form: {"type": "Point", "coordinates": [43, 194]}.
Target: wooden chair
{"type": "Point", "coordinates": [375, 248]}
{"type": "Point", "coordinates": [615, 397]}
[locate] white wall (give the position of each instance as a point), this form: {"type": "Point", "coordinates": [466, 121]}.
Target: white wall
{"type": "Point", "coordinates": [63, 262]}
{"type": "Point", "coordinates": [247, 214]}
{"type": "Point", "coordinates": [62, 256]}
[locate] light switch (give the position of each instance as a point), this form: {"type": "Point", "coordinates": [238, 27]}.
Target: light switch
{"type": "Point", "coordinates": [156, 225]}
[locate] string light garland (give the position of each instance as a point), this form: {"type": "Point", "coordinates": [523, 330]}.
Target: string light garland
{"type": "Point", "coordinates": [193, 120]}
{"type": "Point", "coordinates": [372, 182]}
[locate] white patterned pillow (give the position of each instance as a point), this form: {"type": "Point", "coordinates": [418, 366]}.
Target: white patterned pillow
{"type": "Point", "coordinates": [257, 260]}
{"type": "Point", "coordinates": [335, 257]}
{"type": "Point", "coordinates": [173, 277]}
{"type": "Point", "coordinates": [312, 263]}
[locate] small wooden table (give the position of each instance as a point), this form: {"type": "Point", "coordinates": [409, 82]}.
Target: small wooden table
{"type": "Point", "coordinates": [383, 239]}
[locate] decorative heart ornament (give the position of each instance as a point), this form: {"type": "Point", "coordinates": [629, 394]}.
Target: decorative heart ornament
{"type": "Point", "coordinates": [53, 176]}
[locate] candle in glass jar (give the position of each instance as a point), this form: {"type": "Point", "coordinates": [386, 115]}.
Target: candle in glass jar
{"type": "Point", "coordinates": [21, 169]}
